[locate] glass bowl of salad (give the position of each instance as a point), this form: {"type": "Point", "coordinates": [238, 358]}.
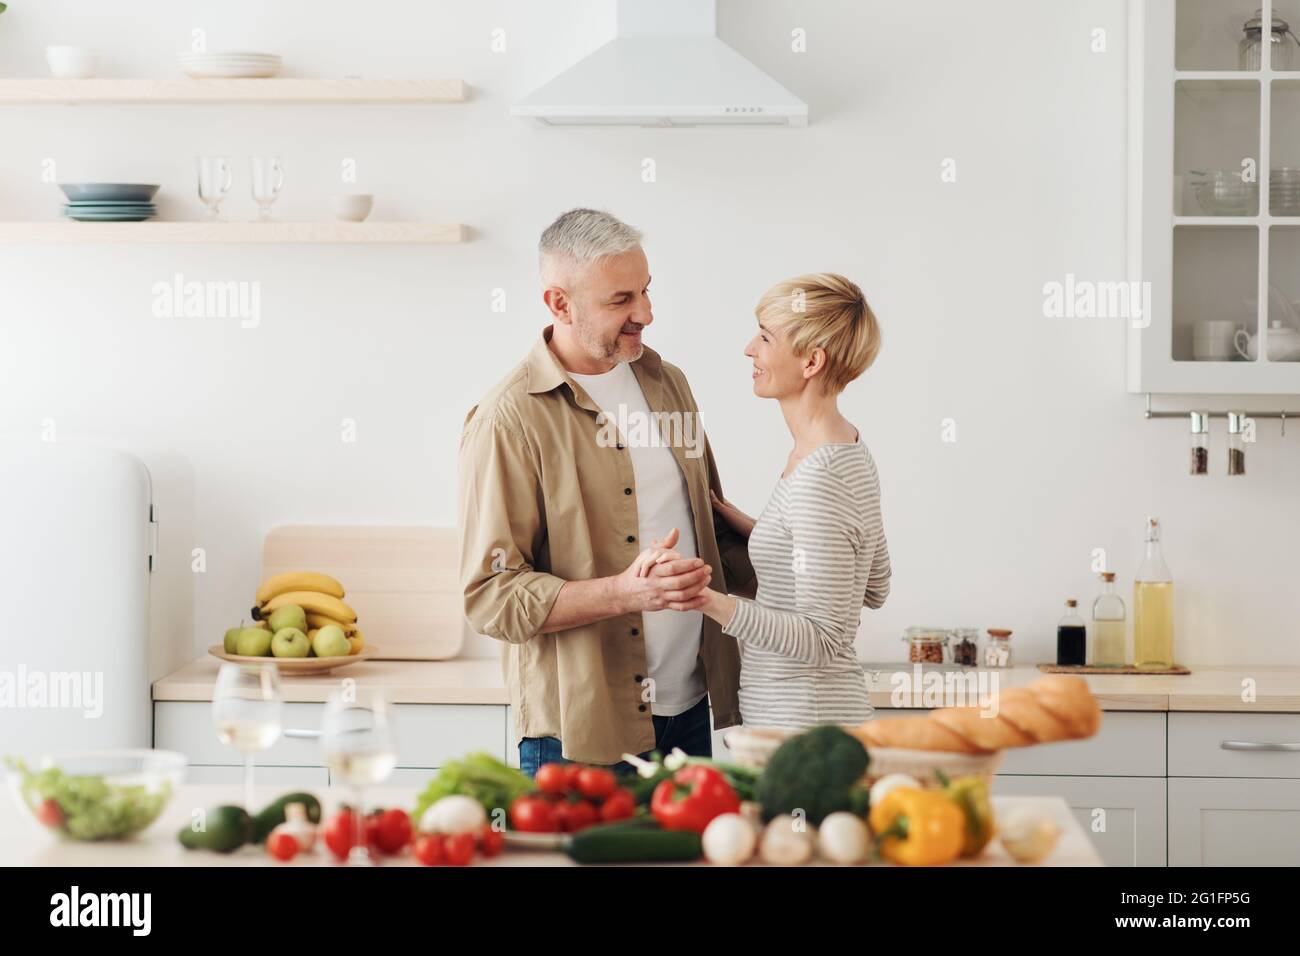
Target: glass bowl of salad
{"type": "Point", "coordinates": [96, 794]}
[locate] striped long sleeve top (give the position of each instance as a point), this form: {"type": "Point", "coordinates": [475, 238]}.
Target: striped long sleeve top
{"type": "Point", "coordinates": [820, 554]}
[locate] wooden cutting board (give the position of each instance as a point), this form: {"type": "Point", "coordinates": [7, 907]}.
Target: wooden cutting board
{"type": "Point", "coordinates": [402, 581]}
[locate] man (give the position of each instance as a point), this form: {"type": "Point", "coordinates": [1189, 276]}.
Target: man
{"type": "Point", "coordinates": [584, 455]}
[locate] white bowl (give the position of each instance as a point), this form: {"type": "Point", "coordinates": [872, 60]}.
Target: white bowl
{"type": "Point", "coordinates": [353, 207]}
{"type": "Point", "coordinates": [71, 62]}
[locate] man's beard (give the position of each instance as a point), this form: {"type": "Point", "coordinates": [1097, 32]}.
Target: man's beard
{"type": "Point", "coordinates": [607, 351]}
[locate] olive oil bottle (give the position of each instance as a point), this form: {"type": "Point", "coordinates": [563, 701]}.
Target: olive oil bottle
{"type": "Point", "coordinates": [1153, 607]}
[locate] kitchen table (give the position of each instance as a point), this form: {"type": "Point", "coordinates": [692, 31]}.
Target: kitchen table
{"type": "Point", "coordinates": [23, 843]}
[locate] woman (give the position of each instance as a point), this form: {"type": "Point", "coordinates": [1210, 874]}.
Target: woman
{"type": "Point", "coordinates": [819, 547]}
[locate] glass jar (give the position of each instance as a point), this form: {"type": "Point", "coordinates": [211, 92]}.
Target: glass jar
{"type": "Point", "coordinates": [1236, 444]}
{"type": "Point", "coordinates": [1250, 52]}
{"type": "Point", "coordinates": [1200, 443]}
{"type": "Point", "coordinates": [997, 652]}
{"type": "Point", "coordinates": [925, 644]}
{"type": "Point", "coordinates": [964, 644]}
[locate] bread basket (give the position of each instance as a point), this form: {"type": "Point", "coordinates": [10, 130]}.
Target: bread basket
{"type": "Point", "coordinates": [753, 747]}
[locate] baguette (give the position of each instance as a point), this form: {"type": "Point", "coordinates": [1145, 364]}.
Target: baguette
{"type": "Point", "coordinates": [1056, 707]}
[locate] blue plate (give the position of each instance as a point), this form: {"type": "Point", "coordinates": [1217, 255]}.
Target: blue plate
{"type": "Point", "coordinates": [112, 192]}
{"type": "Point", "coordinates": [82, 216]}
{"type": "Point", "coordinates": [108, 203]}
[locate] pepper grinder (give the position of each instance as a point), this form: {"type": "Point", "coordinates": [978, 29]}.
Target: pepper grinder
{"type": "Point", "coordinates": [1236, 445]}
{"type": "Point", "coordinates": [1200, 443]}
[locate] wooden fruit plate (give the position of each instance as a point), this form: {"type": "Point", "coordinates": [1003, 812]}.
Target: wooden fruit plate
{"type": "Point", "coordinates": [296, 665]}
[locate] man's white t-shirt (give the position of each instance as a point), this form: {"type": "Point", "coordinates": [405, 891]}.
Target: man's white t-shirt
{"type": "Point", "coordinates": [672, 638]}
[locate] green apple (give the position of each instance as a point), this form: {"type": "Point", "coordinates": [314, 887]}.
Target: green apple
{"type": "Point", "coordinates": [331, 642]}
{"type": "Point", "coordinates": [254, 642]}
{"type": "Point", "coordinates": [232, 639]}
{"type": "Point", "coordinates": [290, 642]}
{"type": "Point", "coordinates": [291, 615]}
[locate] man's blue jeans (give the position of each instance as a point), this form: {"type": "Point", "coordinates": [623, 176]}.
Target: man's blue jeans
{"type": "Point", "coordinates": [690, 730]}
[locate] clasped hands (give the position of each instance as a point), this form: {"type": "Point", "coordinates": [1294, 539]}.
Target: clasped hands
{"type": "Point", "coordinates": [661, 578]}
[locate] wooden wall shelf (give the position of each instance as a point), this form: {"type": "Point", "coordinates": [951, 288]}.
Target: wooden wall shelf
{"type": "Point", "coordinates": [270, 90]}
{"type": "Point", "coordinates": [255, 233]}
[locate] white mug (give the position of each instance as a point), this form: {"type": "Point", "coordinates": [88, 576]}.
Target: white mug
{"type": "Point", "coordinates": [1213, 340]}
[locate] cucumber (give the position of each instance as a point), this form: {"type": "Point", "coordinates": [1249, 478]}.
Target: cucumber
{"type": "Point", "coordinates": [226, 830]}
{"type": "Point", "coordinates": [633, 843]}
{"type": "Point", "coordinates": [273, 815]}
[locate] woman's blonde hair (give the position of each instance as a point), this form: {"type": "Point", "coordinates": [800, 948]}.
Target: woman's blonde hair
{"type": "Point", "coordinates": [826, 311]}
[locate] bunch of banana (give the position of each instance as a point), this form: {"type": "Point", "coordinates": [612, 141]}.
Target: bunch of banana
{"type": "Point", "coordinates": [320, 597]}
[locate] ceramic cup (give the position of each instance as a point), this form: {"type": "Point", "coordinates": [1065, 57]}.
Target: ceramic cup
{"type": "Point", "coordinates": [1212, 340]}
{"type": "Point", "coordinates": [353, 207]}
{"type": "Point", "coordinates": [71, 62]}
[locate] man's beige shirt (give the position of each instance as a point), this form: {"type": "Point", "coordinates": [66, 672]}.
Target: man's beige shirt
{"type": "Point", "coordinates": [547, 495]}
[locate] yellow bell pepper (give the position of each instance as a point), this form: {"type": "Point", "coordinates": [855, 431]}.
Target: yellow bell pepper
{"type": "Point", "coordinates": [971, 794]}
{"type": "Point", "coordinates": [918, 827]}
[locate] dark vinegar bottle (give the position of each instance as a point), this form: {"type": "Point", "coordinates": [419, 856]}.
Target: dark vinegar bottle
{"type": "Point", "coordinates": [1071, 638]}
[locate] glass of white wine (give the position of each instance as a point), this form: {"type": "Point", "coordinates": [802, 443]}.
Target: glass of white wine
{"type": "Point", "coordinates": [357, 742]}
{"type": "Point", "coordinates": [246, 707]}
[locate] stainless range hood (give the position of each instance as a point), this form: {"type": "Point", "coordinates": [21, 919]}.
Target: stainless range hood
{"type": "Point", "coordinates": [665, 67]}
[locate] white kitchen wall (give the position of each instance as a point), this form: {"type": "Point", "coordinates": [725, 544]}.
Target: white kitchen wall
{"type": "Point", "coordinates": [241, 427]}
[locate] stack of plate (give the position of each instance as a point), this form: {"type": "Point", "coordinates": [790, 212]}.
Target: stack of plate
{"type": "Point", "coordinates": [228, 64]}
{"type": "Point", "coordinates": [109, 202]}
{"type": "Point", "coordinates": [1284, 191]}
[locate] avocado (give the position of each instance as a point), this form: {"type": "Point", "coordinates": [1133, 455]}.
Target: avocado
{"type": "Point", "coordinates": [273, 815]}
{"type": "Point", "coordinates": [227, 829]}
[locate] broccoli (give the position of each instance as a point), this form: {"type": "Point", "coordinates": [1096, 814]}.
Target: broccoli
{"type": "Point", "coordinates": [817, 773]}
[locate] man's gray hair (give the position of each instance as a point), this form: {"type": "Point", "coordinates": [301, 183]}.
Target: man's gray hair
{"type": "Point", "coordinates": [585, 235]}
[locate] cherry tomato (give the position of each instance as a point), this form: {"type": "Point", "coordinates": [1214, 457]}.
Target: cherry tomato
{"type": "Point", "coordinates": [430, 849]}
{"type": "Point", "coordinates": [459, 849]}
{"type": "Point", "coordinates": [552, 778]}
{"type": "Point", "coordinates": [571, 771]}
{"type": "Point", "coordinates": [388, 831]}
{"type": "Point", "coordinates": [282, 846]}
{"type": "Point", "coordinates": [619, 805]}
{"type": "Point", "coordinates": [340, 833]}
{"type": "Point", "coordinates": [49, 813]}
{"type": "Point", "coordinates": [490, 842]}
{"type": "Point", "coordinates": [534, 815]}
{"type": "Point", "coordinates": [577, 815]}
{"type": "Point", "coordinates": [596, 782]}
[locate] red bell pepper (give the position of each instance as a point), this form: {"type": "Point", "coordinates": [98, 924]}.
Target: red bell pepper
{"type": "Point", "coordinates": [692, 797]}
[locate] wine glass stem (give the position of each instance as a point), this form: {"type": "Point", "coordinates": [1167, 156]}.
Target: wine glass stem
{"type": "Point", "coordinates": [360, 852]}
{"type": "Point", "coordinates": [248, 782]}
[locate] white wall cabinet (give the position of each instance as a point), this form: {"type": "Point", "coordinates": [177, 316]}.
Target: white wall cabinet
{"type": "Point", "coordinates": [1193, 106]}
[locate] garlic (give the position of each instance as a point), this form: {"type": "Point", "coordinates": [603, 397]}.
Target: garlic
{"type": "Point", "coordinates": [1028, 835]}
{"type": "Point", "coordinates": [890, 781]}
{"type": "Point", "coordinates": [843, 838]}
{"type": "Point", "coordinates": [298, 826]}
{"type": "Point", "coordinates": [454, 814]}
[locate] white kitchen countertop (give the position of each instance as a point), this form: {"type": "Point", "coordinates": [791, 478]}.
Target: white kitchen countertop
{"type": "Point", "coordinates": [24, 843]}
{"type": "Point", "coordinates": [479, 681]}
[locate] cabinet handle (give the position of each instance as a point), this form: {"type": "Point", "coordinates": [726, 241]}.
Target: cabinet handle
{"type": "Point", "coordinates": [1258, 746]}
{"type": "Point", "coordinates": [302, 734]}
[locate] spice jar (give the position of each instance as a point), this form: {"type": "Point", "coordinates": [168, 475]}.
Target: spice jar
{"type": "Point", "coordinates": [997, 652]}
{"type": "Point", "coordinates": [964, 647]}
{"type": "Point", "coordinates": [925, 644]}
{"type": "Point", "coordinates": [1236, 445]}
{"type": "Point", "coordinates": [1200, 443]}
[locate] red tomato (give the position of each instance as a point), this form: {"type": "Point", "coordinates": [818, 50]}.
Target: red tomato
{"type": "Point", "coordinates": [490, 842]}
{"type": "Point", "coordinates": [49, 813]}
{"type": "Point", "coordinates": [282, 846]}
{"type": "Point", "coordinates": [430, 849]}
{"type": "Point", "coordinates": [552, 778]}
{"type": "Point", "coordinates": [577, 815]}
{"type": "Point", "coordinates": [534, 815]}
{"type": "Point", "coordinates": [596, 782]}
{"type": "Point", "coordinates": [571, 771]}
{"type": "Point", "coordinates": [388, 831]}
{"type": "Point", "coordinates": [459, 849]}
{"type": "Point", "coordinates": [340, 833]}
{"type": "Point", "coordinates": [619, 805]}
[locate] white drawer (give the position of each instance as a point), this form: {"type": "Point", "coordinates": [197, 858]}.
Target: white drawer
{"type": "Point", "coordinates": [1234, 745]}
{"type": "Point", "coordinates": [427, 734]}
{"type": "Point", "coordinates": [1129, 744]}
{"type": "Point", "coordinates": [297, 777]}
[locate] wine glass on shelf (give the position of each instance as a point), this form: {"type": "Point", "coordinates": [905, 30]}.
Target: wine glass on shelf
{"type": "Point", "coordinates": [267, 180]}
{"type": "Point", "coordinates": [215, 176]}
{"type": "Point", "coordinates": [357, 743]}
{"type": "Point", "coordinates": [246, 707]}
